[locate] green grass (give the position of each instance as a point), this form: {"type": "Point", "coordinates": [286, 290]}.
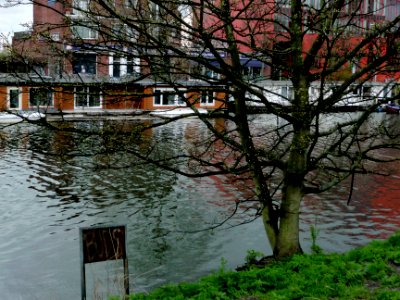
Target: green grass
{"type": "Point", "coordinates": [371, 272]}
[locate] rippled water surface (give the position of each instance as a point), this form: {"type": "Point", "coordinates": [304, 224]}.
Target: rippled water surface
{"type": "Point", "coordinates": [46, 199]}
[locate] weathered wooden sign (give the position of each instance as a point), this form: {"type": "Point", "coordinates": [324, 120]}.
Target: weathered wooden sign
{"type": "Point", "coordinates": [102, 244]}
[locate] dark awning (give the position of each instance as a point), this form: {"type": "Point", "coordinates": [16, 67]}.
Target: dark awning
{"type": "Point", "coordinates": [253, 63]}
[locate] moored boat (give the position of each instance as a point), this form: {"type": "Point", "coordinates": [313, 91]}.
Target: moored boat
{"type": "Point", "coordinates": [392, 109]}
{"type": "Point", "coordinates": [176, 112]}
{"type": "Point", "coordinates": [6, 117]}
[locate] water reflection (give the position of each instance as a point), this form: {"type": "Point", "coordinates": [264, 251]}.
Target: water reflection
{"type": "Point", "coordinates": [47, 198]}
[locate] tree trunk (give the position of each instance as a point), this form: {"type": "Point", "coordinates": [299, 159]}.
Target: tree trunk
{"type": "Point", "coordinates": [288, 242]}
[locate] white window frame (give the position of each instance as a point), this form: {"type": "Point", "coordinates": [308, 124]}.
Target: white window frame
{"type": "Point", "coordinates": [132, 61]}
{"type": "Point", "coordinates": [164, 91]}
{"type": "Point", "coordinates": [126, 62]}
{"type": "Point", "coordinates": [9, 89]}
{"type": "Point", "coordinates": [205, 98]}
{"type": "Point", "coordinates": [87, 106]}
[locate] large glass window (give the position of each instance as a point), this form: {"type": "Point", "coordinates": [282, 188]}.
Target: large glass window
{"type": "Point", "coordinates": [84, 63]}
{"type": "Point", "coordinates": [168, 97]}
{"type": "Point", "coordinates": [87, 97]}
{"type": "Point", "coordinates": [40, 97]}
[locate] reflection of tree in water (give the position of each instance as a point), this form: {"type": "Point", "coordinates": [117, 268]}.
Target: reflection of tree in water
{"type": "Point", "coordinates": [94, 181]}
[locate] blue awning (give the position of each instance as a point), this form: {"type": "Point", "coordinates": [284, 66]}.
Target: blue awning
{"type": "Point", "coordinates": [252, 63]}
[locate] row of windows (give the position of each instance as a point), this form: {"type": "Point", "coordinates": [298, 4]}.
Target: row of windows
{"type": "Point", "coordinates": [92, 97]}
{"type": "Point", "coordinates": [200, 72]}
{"type": "Point", "coordinates": [81, 6]}
{"type": "Point", "coordinates": [85, 63]}
{"type": "Point", "coordinates": [128, 64]}
{"type": "Point", "coordinates": [37, 97]}
{"type": "Point", "coordinates": [171, 97]}
{"type": "Point", "coordinates": [90, 32]}
{"type": "Point", "coordinates": [377, 7]}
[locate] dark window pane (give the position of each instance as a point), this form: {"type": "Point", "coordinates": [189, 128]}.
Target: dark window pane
{"type": "Point", "coordinates": [157, 97]}
{"type": "Point", "coordinates": [40, 97]}
{"type": "Point", "coordinates": [84, 63]}
{"type": "Point", "coordinates": [94, 97]}
{"type": "Point", "coordinates": [14, 98]}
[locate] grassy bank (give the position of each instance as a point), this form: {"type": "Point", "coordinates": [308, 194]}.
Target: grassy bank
{"type": "Point", "coordinates": [371, 272]}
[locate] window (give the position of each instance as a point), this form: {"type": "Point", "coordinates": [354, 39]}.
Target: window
{"type": "Point", "coordinates": [355, 91]}
{"type": "Point", "coordinates": [313, 3]}
{"type": "Point", "coordinates": [366, 92]}
{"type": "Point", "coordinates": [355, 67]}
{"type": "Point", "coordinates": [131, 34]}
{"type": "Point", "coordinates": [122, 31]}
{"type": "Point", "coordinates": [210, 74]}
{"type": "Point", "coordinates": [130, 64]}
{"type": "Point", "coordinates": [116, 66]}
{"type": "Point", "coordinates": [123, 65]}
{"type": "Point", "coordinates": [87, 97]}
{"type": "Point", "coordinates": [84, 63]}
{"type": "Point", "coordinates": [252, 72]}
{"type": "Point", "coordinates": [168, 97]}
{"type": "Point", "coordinates": [370, 6]}
{"type": "Point", "coordinates": [207, 98]}
{"type": "Point", "coordinates": [154, 10]}
{"type": "Point", "coordinates": [353, 6]}
{"type": "Point", "coordinates": [80, 6]}
{"type": "Point", "coordinates": [282, 2]}
{"type": "Point", "coordinates": [392, 9]}
{"type": "Point", "coordinates": [40, 97]}
{"type": "Point", "coordinates": [14, 98]}
{"type": "Point", "coordinates": [282, 22]}
{"type": "Point", "coordinates": [117, 31]}
{"type": "Point", "coordinates": [55, 36]}
{"type": "Point", "coordinates": [199, 72]}
{"type": "Point", "coordinates": [131, 4]}
{"type": "Point", "coordinates": [287, 93]}
{"type": "Point", "coordinates": [84, 32]}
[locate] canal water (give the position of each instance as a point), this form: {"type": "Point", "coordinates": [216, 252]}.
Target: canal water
{"type": "Point", "coordinates": [46, 198]}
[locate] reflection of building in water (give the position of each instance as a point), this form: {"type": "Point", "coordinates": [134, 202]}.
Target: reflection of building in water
{"type": "Point", "coordinates": [384, 211]}
{"type": "Point", "coordinates": [232, 190]}
{"type": "Point", "coordinates": [373, 211]}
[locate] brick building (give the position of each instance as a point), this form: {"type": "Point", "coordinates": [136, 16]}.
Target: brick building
{"type": "Point", "coordinates": [78, 42]}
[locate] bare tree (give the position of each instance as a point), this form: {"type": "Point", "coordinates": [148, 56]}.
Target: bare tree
{"type": "Point", "coordinates": [297, 60]}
